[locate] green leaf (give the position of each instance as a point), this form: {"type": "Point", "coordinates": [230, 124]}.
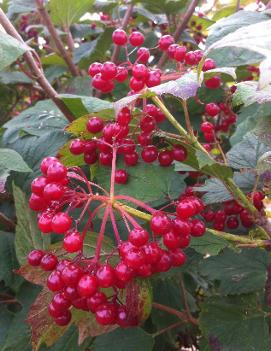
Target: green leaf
{"type": "Point", "coordinates": [8, 261]}
{"type": "Point", "coordinates": [20, 6]}
{"type": "Point", "coordinates": [246, 153]}
{"type": "Point", "coordinates": [27, 234]}
{"type": "Point", "coordinates": [7, 77]}
{"type": "Point", "coordinates": [208, 244]}
{"type": "Point", "coordinates": [224, 12]}
{"type": "Point", "coordinates": [232, 324]}
{"type": "Point", "coordinates": [146, 182]}
{"type": "Point", "coordinates": [66, 12]}
{"type": "Point", "coordinates": [248, 92]}
{"type": "Point", "coordinates": [53, 59]}
{"type": "Point", "coordinates": [204, 22]}
{"type": "Point", "coordinates": [94, 50]}
{"type": "Point", "coordinates": [238, 273]}
{"type": "Point", "coordinates": [134, 338]}
{"type": "Point", "coordinates": [227, 71]}
{"type": "Point", "coordinates": [12, 161]}
{"type": "Point", "coordinates": [203, 159]}
{"type": "Point", "coordinates": [10, 49]}
{"type": "Point", "coordinates": [83, 105]}
{"type": "Point", "coordinates": [264, 163]}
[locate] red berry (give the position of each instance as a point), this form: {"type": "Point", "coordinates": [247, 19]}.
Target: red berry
{"type": "Point", "coordinates": [184, 241]}
{"type": "Point", "coordinates": [180, 53]}
{"type": "Point", "coordinates": [171, 240]}
{"type": "Point", "coordinates": [122, 317]}
{"type": "Point", "coordinates": [208, 64]}
{"type": "Point", "coordinates": [119, 37]}
{"type": "Point", "coordinates": [105, 159]}
{"type": "Point", "coordinates": [56, 172]}
{"type": "Point", "coordinates": [123, 272]}
{"type": "Point", "coordinates": [124, 117]}
{"type": "Point", "coordinates": [45, 222]}
{"type": "Point", "coordinates": [61, 222]}
{"type": "Point", "coordinates": [232, 223]}
{"type": "Point", "coordinates": [153, 79]}
{"type": "Point", "coordinates": [136, 85]}
{"type": "Point", "coordinates": [71, 293]}
{"type": "Point", "coordinates": [197, 227]}
{"type": "Point", "coordinates": [185, 209]}
{"type": "Point", "coordinates": [87, 285]}
{"type": "Point", "coordinates": [208, 215]}
{"type": "Point", "coordinates": [147, 124]}
{"type": "Point", "coordinates": [152, 252]}
{"type": "Point", "coordinates": [144, 139]}
{"type": "Point", "coordinates": [165, 41]}
{"type": "Point", "coordinates": [160, 223]}
{"type": "Point", "coordinates": [48, 262]}
{"type": "Point", "coordinates": [149, 154]}
{"type": "Point", "coordinates": [178, 258]}
{"type": "Point", "coordinates": [121, 176]}
{"type": "Point", "coordinates": [124, 247]}
{"type": "Point", "coordinates": [164, 263]}
{"type": "Point", "coordinates": [165, 158]}
{"type": "Point", "coordinates": [106, 314]}
{"type": "Point", "coordinates": [213, 83]}
{"type": "Point", "coordinates": [60, 302]}
{"type": "Point", "coordinates": [73, 241]}
{"type": "Point", "coordinates": [127, 146]}
{"type": "Point", "coordinates": [145, 270]}
{"type": "Point", "coordinates": [134, 258]}
{"type": "Point", "coordinates": [181, 227]}
{"type": "Point", "coordinates": [179, 153]}
{"type": "Point", "coordinates": [90, 146]}
{"type": "Point", "coordinates": [95, 125]}
{"type": "Point", "coordinates": [38, 185]}
{"type": "Point", "coordinates": [245, 218]}
{"type": "Point", "coordinates": [53, 191]}
{"type": "Point", "coordinates": [143, 55]}
{"type": "Point", "coordinates": [190, 58]}
{"type": "Point", "coordinates": [212, 109]}
{"type": "Point", "coordinates": [71, 275]}
{"type": "Point", "coordinates": [171, 50]}
{"type": "Point", "coordinates": [109, 70]}
{"type": "Point", "coordinates": [105, 276]}
{"type": "Point", "coordinates": [80, 303]}
{"type": "Point", "coordinates": [98, 82]}
{"type": "Point", "coordinates": [64, 319]}
{"type": "Point", "coordinates": [136, 38]}
{"type": "Point", "coordinates": [95, 68]}
{"type": "Point", "coordinates": [34, 257]}
{"type": "Point", "coordinates": [46, 162]}
{"type": "Point", "coordinates": [122, 74]}
{"type": "Point", "coordinates": [131, 159]}
{"type": "Point", "coordinates": [54, 311]}
{"type": "Point", "coordinates": [54, 281]}
{"type": "Point", "coordinates": [138, 236]}
{"type": "Point", "coordinates": [209, 137]}
{"type": "Point", "coordinates": [95, 301]}
{"type": "Point", "coordinates": [37, 203]}
{"type": "Point", "coordinates": [90, 157]}
{"type": "Point", "coordinates": [77, 147]}
{"type": "Point", "coordinates": [140, 71]}
{"type": "Point", "coordinates": [207, 127]}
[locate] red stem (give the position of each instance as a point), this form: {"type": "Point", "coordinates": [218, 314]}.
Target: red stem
{"type": "Point", "coordinates": [114, 224]}
{"type": "Point", "coordinates": [113, 173]}
{"type": "Point", "coordinates": [136, 202]}
{"type": "Point", "coordinates": [101, 234]}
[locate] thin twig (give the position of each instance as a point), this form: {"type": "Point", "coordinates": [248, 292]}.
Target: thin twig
{"type": "Point", "coordinates": [180, 28]}
{"type": "Point", "coordinates": [7, 222]}
{"type": "Point", "coordinates": [45, 17]}
{"type": "Point", "coordinates": [184, 296]}
{"type": "Point", "coordinates": [164, 330]}
{"type": "Point", "coordinates": [35, 69]}
{"type": "Point", "coordinates": [181, 315]}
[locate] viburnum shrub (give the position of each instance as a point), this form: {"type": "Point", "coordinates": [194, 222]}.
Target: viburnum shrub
{"type": "Point", "coordinates": [145, 219]}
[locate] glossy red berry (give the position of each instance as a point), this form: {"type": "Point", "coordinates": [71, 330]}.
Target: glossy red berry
{"type": "Point", "coordinates": [95, 125]}
{"type": "Point", "coordinates": [53, 191]}
{"type": "Point", "coordinates": [143, 55]}
{"type": "Point", "coordinates": [38, 184]}
{"type": "Point", "coordinates": [179, 153]}
{"type": "Point", "coordinates": [185, 209]}
{"type": "Point", "coordinates": [190, 58]}
{"type": "Point", "coordinates": [171, 50]}
{"type": "Point", "coordinates": [165, 158]}
{"type": "Point", "coordinates": [73, 241]}
{"type": "Point", "coordinates": [181, 227]}
{"type": "Point", "coordinates": [165, 41]}
{"type": "Point", "coordinates": [149, 154]}
{"type": "Point", "coordinates": [46, 162]}
{"type": "Point", "coordinates": [77, 147]}
{"type": "Point", "coordinates": [54, 281]}
{"type": "Point", "coordinates": [197, 227]}
{"type": "Point", "coordinates": [140, 71]}
{"type": "Point", "coordinates": [95, 301]}
{"type": "Point", "coordinates": [121, 176]}
{"type": "Point", "coordinates": [153, 79]}
{"type": "Point", "coordinates": [232, 222]}
{"type": "Point", "coordinates": [144, 139]}
{"type": "Point", "coordinates": [87, 285]}
{"type": "Point", "coordinates": [212, 109]}
{"type": "Point", "coordinates": [208, 64]}
{"type": "Point", "coordinates": [213, 83]}
{"type": "Point", "coordinates": [164, 263]}
{"type": "Point", "coordinates": [34, 257]}
{"type": "Point", "coordinates": [152, 252]}
{"type": "Point", "coordinates": [147, 124]}
{"type": "Point", "coordinates": [122, 74]}
{"type": "Point", "coordinates": [45, 222]}
{"type": "Point", "coordinates": [98, 82]}
{"type": "Point", "coordinates": [105, 158]}
{"type": "Point", "coordinates": [136, 39]}
{"type": "Point", "coordinates": [136, 85]}
{"type": "Point", "coordinates": [138, 236]}
{"type": "Point", "coordinates": [207, 127]}
{"type": "Point", "coordinates": [106, 314]}
{"type": "Point", "coordinates": [95, 68]}
{"type": "Point", "coordinates": [71, 275]}
{"type": "Point", "coordinates": [105, 276]}
{"type": "Point", "coordinates": [61, 222]}
{"type": "Point", "coordinates": [178, 257]}
{"type": "Point", "coordinates": [48, 262]}
{"type": "Point", "coordinates": [134, 258]}
{"type": "Point", "coordinates": [119, 37]}
{"type": "Point", "coordinates": [60, 302]}
{"type": "Point", "coordinates": [109, 70]}
{"type": "Point", "coordinates": [90, 157]}
{"type": "Point", "coordinates": [171, 240]}
{"type": "Point", "coordinates": [180, 53]}
{"type": "Point", "coordinates": [160, 223]}
{"type": "Point", "coordinates": [123, 272]}
{"type": "Point", "coordinates": [64, 319]}
{"type": "Point", "coordinates": [131, 159]}
{"type": "Point", "coordinates": [56, 172]}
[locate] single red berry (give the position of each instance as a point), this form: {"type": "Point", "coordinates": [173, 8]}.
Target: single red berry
{"type": "Point", "coordinates": [153, 79]}
{"type": "Point", "coordinates": [218, 225]}
{"type": "Point", "coordinates": [98, 82]}
{"type": "Point", "coordinates": [209, 137]}
{"type": "Point", "coordinates": [149, 154]}
{"type": "Point", "coordinates": [134, 258]}
{"type": "Point", "coordinates": [90, 157]}
{"type": "Point", "coordinates": [208, 64]}
{"type": "Point", "coordinates": [232, 223]}
{"type": "Point", "coordinates": [213, 83]}
{"type": "Point", "coordinates": [54, 281]}
{"type": "Point", "coordinates": [106, 314]}
{"type": "Point", "coordinates": [171, 240]}
{"type": "Point", "coordinates": [96, 300]}
{"type": "Point", "coordinates": [208, 215]}
{"type": "Point", "coordinates": [160, 223]}
{"type": "Point", "coordinates": [71, 275]}
{"type": "Point", "coordinates": [56, 172]}
{"type": "Point", "coordinates": [220, 216]}
{"type": "Point", "coordinates": [124, 116]}
{"type": "Point", "coordinates": [95, 125]}
{"type": "Point", "coordinates": [64, 319]}
{"type": "Point", "coordinates": [136, 85]}
{"type": "Point", "coordinates": [45, 222]}
{"type": "Point", "coordinates": [197, 227]}
{"type": "Point", "coordinates": [180, 53]}
{"type": "Point", "coordinates": [138, 236]}
{"type": "Point", "coordinates": [165, 158]}
{"type": "Point", "coordinates": [127, 146]}
{"type": "Point", "coordinates": [131, 159]}
{"type": "Point", "coordinates": [48, 262]}
{"type": "Point", "coordinates": [54, 311]}
{"type": "Point", "coordinates": [60, 302]}
{"type": "Point", "coordinates": [152, 252]}
{"type": "Point", "coordinates": [105, 158]}
{"type": "Point", "coordinates": [181, 227]}
{"type": "Point", "coordinates": [95, 68]}
{"type": "Point", "coordinates": [164, 263]}
{"type": "Point", "coordinates": [185, 209]}
{"type": "Point", "coordinates": [245, 218]}
{"type": "Point", "coordinates": [77, 147]}
{"type": "Point", "coordinates": [140, 71]}
{"type": "Point", "coordinates": [121, 176]}
{"type": "Point", "coordinates": [136, 39]}
{"type": "Point", "coordinates": [87, 285]}
{"type": "Point", "coordinates": [122, 317]}
{"type": "Point", "coordinates": [212, 109]}
{"type": "Point", "coordinates": [34, 257]}
{"type": "Point", "coordinates": [119, 37]}
{"type": "Point", "coordinates": [123, 272]}
{"type": "Point", "coordinates": [90, 146]}
{"type": "Point", "coordinates": [179, 153]}
{"type": "Point", "coordinates": [144, 139]}
{"type": "Point", "coordinates": [178, 258]}
{"type": "Point", "coordinates": [171, 50]}
{"type": "Point", "coordinates": [46, 162]}
{"type": "Point", "coordinates": [61, 222]}
{"type": "Point", "coordinates": [53, 191]}
{"type": "Point", "coordinates": [109, 70]}
{"type": "Point", "coordinates": [105, 276]}
{"type": "Point", "coordinates": [184, 241]}
{"type": "Point", "coordinates": [80, 303]}
{"type": "Point", "coordinates": [122, 74]}
{"type": "Point", "coordinates": [165, 41]}
{"type": "Point", "coordinates": [143, 55]}
{"type": "Point", "coordinates": [124, 247]}
{"type": "Point", "coordinates": [207, 127]}
{"type": "Point", "coordinates": [38, 184]}
{"type": "Point", "coordinates": [147, 124]}
{"type": "Point", "coordinates": [73, 241]}
{"type": "Point", "coordinates": [71, 293]}
{"type": "Point", "coordinates": [190, 58]}
{"type": "Point", "coordinates": [145, 270]}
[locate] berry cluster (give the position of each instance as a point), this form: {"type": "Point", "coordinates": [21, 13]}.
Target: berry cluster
{"type": "Point", "coordinates": [94, 283]}
{"type": "Point", "coordinates": [233, 214]}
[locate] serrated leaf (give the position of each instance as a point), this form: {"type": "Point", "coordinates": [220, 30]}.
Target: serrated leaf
{"type": "Point", "coordinates": [10, 49]}
{"type": "Point", "coordinates": [264, 163]}
{"type": "Point", "coordinates": [28, 236]}
{"type": "Point", "coordinates": [118, 340]}
{"type": "Point", "coordinates": [233, 324]}
{"type": "Point", "coordinates": [228, 71]}
{"type": "Point", "coordinates": [246, 153]}
{"type": "Point", "coordinates": [66, 12]}
{"type": "Point", "coordinates": [247, 93]}
{"type": "Point", "coordinates": [208, 244]}
{"type": "Point", "coordinates": [182, 167]}
{"type": "Point", "coordinates": [12, 161]}
{"type": "Point", "coordinates": [238, 273]}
